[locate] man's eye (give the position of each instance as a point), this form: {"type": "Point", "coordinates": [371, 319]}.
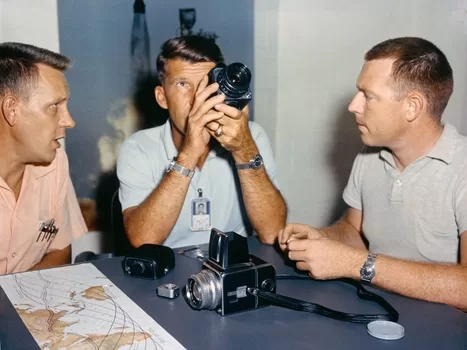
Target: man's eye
{"type": "Point", "coordinates": [181, 84]}
{"type": "Point", "coordinates": [54, 106]}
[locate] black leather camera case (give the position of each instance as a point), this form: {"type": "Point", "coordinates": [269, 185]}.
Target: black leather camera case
{"type": "Point", "coordinates": [150, 261]}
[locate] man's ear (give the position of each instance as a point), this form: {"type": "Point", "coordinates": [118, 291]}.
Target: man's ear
{"type": "Point", "coordinates": [159, 93]}
{"type": "Point", "coordinates": [9, 108]}
{"type": "Point", "coordinates": [415, 105]}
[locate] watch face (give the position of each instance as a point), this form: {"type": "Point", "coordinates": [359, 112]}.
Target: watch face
{"type": "Point", "coordinates": [257, 162]}
{"type": "Point", "coordinates": [368, 272]}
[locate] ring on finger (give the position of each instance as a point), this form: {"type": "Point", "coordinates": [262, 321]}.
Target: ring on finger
{"type": "Point", "coordinates": [218, 132]}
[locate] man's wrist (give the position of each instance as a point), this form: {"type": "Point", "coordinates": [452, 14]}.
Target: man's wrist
{"type": "Point", "coordinates": [245, 154]}
{"type": "Point", "coordinates": [187, 161]}
{"type": "Point", "coordinates": [356, 262]}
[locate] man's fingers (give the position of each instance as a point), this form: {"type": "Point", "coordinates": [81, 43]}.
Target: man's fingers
{"type": "Point", "coordinates": [292, 230]}
{"type": "Point", "coordinates": [297, 235]}
{"type": "Point", "coordinates": [207, 106]}
{"type": "Point", "coordinates": [302, 266]}
{"type": "Point", "coordinates": [213, 126]}
{"type": "Point", "coordinates": [297, 255]}
{"type": "Point", "coordinates": [203, 96]}
{"type": "Point", "coordinates": [229, 111]}
{"type": "Point", "coordinates": [279, 235]}
{"type": "Point", "coordinates": [202, 85]}
{"type": "Point", "coordinates": [286, 232]}
{"type": "Point", "coordinates": [298, 245]}
{"type": "Point", "coordinates": [211, 117]}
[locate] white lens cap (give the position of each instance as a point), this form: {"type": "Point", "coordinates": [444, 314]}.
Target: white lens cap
{"type": "Point", "coordinates": [385, 330]}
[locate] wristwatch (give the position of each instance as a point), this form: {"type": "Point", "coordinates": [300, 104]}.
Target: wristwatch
{"type": "Point", "coordinates": [255, 163]}
{"type": "Point", "coordinates": [367, 272]}
{"type": "Point", "coordinates": [174, 166]}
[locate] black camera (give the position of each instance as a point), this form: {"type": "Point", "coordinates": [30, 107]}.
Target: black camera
{"type": "Point", "coordinates": [227, 277]}
{"type": "Point", "coordinates": [150, 261]}
{"type": "Point", "coordinates": [234, 82]}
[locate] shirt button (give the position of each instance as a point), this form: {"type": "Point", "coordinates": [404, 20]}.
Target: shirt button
{"type": "Point", "coordinates": [13, 255]}
{"type": "Point", "coordinates": [399, 182]}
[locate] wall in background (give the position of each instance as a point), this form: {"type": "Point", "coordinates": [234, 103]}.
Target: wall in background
{"type": "Point", "coordinates": [313, 59]}
{"type": "Point", "coordinates": [29, 21]}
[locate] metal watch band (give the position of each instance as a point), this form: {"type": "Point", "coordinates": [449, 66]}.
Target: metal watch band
{"type": "Point", "coordinates": [174, 166]}
{"type": "Point", "coordinates": [367, 272]}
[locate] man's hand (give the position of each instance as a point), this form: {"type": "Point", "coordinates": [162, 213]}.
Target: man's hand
{"type": "Point", "coordinates": [325, 258]}
{"type": "Point", "coordinates": [293, 232]}
{"type": "Point", "coordinates": [236, 136]}
{"type": "Point", "coordinates": [202, 113]}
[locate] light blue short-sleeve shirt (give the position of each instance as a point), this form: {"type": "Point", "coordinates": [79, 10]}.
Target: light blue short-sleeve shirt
{"type": "Point", "coordinates": [142, 163]}
{"type": "Point", "coordinates": [417, 214]}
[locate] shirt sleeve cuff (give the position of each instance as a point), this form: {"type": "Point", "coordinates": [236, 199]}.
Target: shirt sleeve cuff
{"type": "Point", "coordinates": [351, 202]}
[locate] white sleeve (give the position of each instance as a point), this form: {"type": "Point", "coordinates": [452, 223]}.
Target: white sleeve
{"type": "Point", "coordinates": [353, 191]}
{"type": "Point", "coordinates": [135, 174]}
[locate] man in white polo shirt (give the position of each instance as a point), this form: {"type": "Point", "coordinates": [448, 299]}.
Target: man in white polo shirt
{"type": "Point", "coordinates": [207, 153]}
{"type": "Point", "coordinates": [407, 192]}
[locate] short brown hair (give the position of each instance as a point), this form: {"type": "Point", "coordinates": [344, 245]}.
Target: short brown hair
{"type": "Point", "coordinates": [18, 66]}
{"type": "Point", "coordinates": [192, 48]}
{"type": "Point", "coordinates": [418, 65]}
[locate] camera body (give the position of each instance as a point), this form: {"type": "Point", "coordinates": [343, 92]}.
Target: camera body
{"type": "Point", "coordinates": [227, 276]}
{"type": "Point", "coordinates": [234, 82]}
{"type": "Point", "coordinates": [149, 261]}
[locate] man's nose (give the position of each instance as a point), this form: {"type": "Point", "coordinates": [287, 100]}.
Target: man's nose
{"type": "Point", "coordinates": [356, 105]}
{"type": "Point", "coordinates": [66, 121]}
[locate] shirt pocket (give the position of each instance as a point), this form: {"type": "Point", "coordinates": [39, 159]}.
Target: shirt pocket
{"type": "Point", "coordinates": [437, 235]}
{"type": "Point", "coordinates": [39, 245]}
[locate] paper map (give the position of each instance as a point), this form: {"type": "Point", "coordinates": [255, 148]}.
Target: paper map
{"type": "Point", "coordinates": [77, 307]}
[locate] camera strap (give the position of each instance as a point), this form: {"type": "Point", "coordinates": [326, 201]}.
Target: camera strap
{"type": "Point", "coordinates": [300, 305]}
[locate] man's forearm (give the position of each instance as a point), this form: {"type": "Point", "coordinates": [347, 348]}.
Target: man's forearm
{"type": "Point", "coordinates": [439, 283]}
{"type": "Point", "coordinates": [264, 204]}
{"type": "Point", "coordinates": [344, 232]}
{"type": "Point", "coordinates": [153, 220]}
{"type": "Point", "coordinates": [54, 258]}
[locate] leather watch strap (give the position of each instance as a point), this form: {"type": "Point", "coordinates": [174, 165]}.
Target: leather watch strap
{"type": "Point", "coordinates": [255, 163]}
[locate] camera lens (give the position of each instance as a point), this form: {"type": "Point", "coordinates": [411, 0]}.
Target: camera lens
{"type": "Point", "coordinates": [238, 75]}
{"type": "Point", "coordinates": [203, 290]}
{"type": "Point", "coordinates": [234, 80]}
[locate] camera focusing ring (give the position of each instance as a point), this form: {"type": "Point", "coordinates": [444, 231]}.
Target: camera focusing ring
{"type": "Point", "coordinates": [203, 290]}
{"type": "Point", "coordinates": [234, 80]}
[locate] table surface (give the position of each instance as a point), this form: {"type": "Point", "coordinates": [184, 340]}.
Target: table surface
{"type": "Point", "coordinates": [427, 325]}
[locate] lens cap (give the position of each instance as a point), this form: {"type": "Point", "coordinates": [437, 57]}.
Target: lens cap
{"type": "Point", "coordinates": [385, 330]}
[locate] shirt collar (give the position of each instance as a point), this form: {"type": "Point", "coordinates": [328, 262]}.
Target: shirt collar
{"type": "Point", "coordinates": [38, 171]}
{"type": "Point", "coordinates": [33, 172]}
{"type": "Point", "coordinates": [445, 147]}
{"type": "Point", "coordinates": [443, 150]}
{"type": "Point", "coordinates": [170, 149]}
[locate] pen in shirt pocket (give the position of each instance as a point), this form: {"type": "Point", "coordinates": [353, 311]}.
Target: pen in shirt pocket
{"type": "Point", "coordinates": [47, 231]}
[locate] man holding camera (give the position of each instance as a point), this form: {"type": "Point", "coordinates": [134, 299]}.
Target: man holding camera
{"type": "Point", "coordinates": [408, 194]}
{"type": "Point", "coordinates": [207, 152]}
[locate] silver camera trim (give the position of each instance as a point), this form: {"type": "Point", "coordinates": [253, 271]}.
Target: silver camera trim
{"type": "Point", "coordinates": [168, 290]}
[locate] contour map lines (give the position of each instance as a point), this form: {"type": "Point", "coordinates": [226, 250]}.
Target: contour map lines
{"type": "Point", "coordinates": [77, 307]}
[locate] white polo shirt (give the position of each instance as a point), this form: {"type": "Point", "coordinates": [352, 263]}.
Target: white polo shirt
{"type": "Point", "coordinates": [419, 213]}
{"type": "Point", "coordinates": [142, 163]}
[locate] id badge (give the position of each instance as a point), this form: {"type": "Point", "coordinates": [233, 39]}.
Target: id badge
{"type": "Point", "coordinates": [200, 213]}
